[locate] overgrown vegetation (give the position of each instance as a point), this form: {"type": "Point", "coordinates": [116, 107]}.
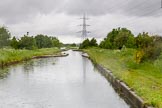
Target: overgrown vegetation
{"type": "Point", "coordinates": [144, 78]}
{"type": "Point", "coordinates": [27, 42]}
{"type": "Point", "coordinates": [4, 37]}
{"type": "Point", "coordinates": [9, 56]}
{"type": "Point", "coordinates": [147, 47]}
{"type": "Point", "coordinates": [136, 60]}
{"type": "Point", "coordinates": [26, 47]}
{"type": "Point", "coordinates": [89, 43]}
{"type": "Point", "coordinates": [118, 38]}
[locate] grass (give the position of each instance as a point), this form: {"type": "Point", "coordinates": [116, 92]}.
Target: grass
{"type": "Point", "coordinates": [9, 56]}
{"type": "Point", "coordinates": [145, 78]}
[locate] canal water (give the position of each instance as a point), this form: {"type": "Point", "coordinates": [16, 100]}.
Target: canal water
{"type": "Point", "coordinates": [67, 82]}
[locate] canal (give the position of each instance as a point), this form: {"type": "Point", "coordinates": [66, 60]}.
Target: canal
{"type": "Point", "coordinates": [67, 82]}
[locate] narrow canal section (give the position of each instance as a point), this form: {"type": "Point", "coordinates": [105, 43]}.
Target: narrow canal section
{"type": "Point", "coordinates": [62, 82]}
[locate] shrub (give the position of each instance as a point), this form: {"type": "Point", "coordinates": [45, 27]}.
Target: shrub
{"type": "Point", "coordinates": [117, 38]}
{"type": "Point", "coordinates": [88, 43]}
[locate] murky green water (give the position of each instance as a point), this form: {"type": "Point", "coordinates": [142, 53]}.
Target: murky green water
{"type": "Point", "coordinates": [68, 82]}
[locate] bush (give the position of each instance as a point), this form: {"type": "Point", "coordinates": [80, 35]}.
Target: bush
{"type": "Point", "coordinates": [152, 53]}
{"type": "Point", "coordinates": [118, 38]}
{"type": "Point", "coordinates": [139, 56]}
{"type": "Point", "coordinates": [143, 40]}
{"type": "Point", "coordinates": [88, 43]}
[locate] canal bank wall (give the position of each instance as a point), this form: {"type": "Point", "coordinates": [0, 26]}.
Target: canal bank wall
{"type": "Point", "coordinates": [120, 87]}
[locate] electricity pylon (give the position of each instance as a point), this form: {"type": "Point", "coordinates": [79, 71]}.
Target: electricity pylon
{"type": "Point", "coordinates": [84, 27]}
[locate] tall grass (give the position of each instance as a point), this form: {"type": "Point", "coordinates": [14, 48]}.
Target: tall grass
{"type": "Point", "coordinates": [8, 56]}
{"type": "Point", "coordinates": [145, 78]}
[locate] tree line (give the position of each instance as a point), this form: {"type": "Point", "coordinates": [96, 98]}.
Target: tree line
{"type": "Point", "coordinates": [147, 46]}
{"type": "Point", "coordinates": [27, 42]}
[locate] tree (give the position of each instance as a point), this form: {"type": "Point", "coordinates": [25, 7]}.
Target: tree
{"type": "Point", "coordinates": [106, 44]}
{"type": "Point", "coordinates": [85, 44]}
{"type": "Point", "coordinates": [124, 38]}
{"type": "Point", "coordinates": [143, 40]}
{"type": "Point", "coordinates": [109, 42]}
{"type": "Point", "coordinates": [43, 41]}
{"type": "Point", "coordinates": [27, 42]}
{"type": "Point", "coordinates": [55, 42]}
{"type": "Point", "coordinates": [93, 42]}
{"type": "Point", "coordinates": [4, 37]}
{"type": "Point", "coordinates": [39, 41]}
{"type": "Point", "coordinates": [118, 38]}
{"type": "Point", "coordinates": [150, 46]}
{"type": "Point", "coordinates": [47, 42]}
{"type": "Point", "coordinates": [14, 43]}
{"type": "Point", "coordinates": [88, 43]}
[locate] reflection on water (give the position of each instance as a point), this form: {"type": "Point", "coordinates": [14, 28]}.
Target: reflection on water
{"type": "Point", "coordinates": [28, 66]}
{"type": "Point", "coordinates": [84, 69]}
{"type": "Point", "coordinates": [68, 82]}
{"type": "Point", "coordinates": [3, 72]}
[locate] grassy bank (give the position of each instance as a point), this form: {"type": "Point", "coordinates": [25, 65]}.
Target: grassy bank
{"type": "Point", "coordinates": [10, 56]}
{"type": "Point", "coordinates": [145, 78]}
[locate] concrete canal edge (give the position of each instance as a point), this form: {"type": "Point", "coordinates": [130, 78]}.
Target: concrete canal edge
{"type": "Point", "coordinates": [85, 55]}
{"type": "Point", "coordinates": [121, 88]}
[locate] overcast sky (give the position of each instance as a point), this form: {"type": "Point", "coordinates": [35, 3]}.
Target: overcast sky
{"type": "Point", "coordinates": [60, 17]}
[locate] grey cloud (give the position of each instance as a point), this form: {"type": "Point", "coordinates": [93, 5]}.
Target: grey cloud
{"type": "Point", "coordinates": [92, 7]}
{"type": "Point", "coordinates": [13, 11]}
{"type": "Point", "coordinates": [142, 7]}
{"type": "Point", "coordinates": [126, 7]}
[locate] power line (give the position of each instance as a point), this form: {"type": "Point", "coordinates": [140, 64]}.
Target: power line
{"type": "Point", "coordinates": [131, 20]}
{"type": "Point", "coordinates": [125, 4]}
{"type": "Point", "coordinates": [151, 11]}
{"type": "Point", "coordinates": [84, 27]}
